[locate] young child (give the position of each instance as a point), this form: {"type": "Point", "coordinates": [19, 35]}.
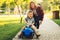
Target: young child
{"type": "Point", "coordinates": [29, 20]}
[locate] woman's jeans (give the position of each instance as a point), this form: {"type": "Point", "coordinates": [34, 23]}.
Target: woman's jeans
{"type": "Point", "coordinates": [37, 19]}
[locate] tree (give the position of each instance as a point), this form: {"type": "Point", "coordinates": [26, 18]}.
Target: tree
{"type": "Point", "coordinates": [3, 7]}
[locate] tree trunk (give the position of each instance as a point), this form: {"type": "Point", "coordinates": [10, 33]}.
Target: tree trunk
{"type": "Point", "coordinates": [56, 14]}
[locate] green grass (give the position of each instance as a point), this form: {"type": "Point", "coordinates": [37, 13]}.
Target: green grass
{"type": "Point", "coordinates": [8, 31]}
{"type": "Point", "coordinates": [57, 21]}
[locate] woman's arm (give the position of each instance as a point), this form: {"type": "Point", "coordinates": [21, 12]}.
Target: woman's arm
{"type": "Point", "coordinates": [42, 13]}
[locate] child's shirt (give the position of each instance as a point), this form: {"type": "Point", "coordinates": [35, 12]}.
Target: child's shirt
{"type": "Point", "coordinates": [29, 20]}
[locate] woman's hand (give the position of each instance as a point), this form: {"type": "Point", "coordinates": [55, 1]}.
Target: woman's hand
{"type": "Point", "coordinates": [40, 22]}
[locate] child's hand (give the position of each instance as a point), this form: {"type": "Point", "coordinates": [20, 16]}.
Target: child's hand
{"type": "Point", "coordinates": [32, 24]}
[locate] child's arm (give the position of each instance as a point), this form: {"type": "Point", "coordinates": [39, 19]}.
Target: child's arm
{"type": "Point", "coordinates": [23, 27]}
{"type": "Point", "coordinates": [33, 22]}
{"type": "Point", "coordinates": [24, 23]}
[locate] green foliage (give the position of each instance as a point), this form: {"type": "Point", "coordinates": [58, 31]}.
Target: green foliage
{"type": "Point", "coordinates": [3, 5]}
{"type": "Point", "coordinates": [46, 3]}
{"type": "Point", "coordinates": [24, 5]}
{"type": "Point", "coordinates": [8, 31]}
{"type": "Point", "coordinates": [3, 8]}
{"type": "Point", "coordinates": [12, 4]}
{"type": "Point", "coordinates": [57, 21]}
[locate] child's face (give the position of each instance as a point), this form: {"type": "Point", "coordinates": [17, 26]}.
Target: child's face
{"type": "Point", "coordinates": [30, 15]}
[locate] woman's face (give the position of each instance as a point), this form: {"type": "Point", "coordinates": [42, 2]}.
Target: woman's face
{"type": "Point", "coordinates": [32, 5]}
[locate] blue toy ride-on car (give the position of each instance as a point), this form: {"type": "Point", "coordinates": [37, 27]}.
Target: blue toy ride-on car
{"type": "Point", "coordinates": [27, 33]}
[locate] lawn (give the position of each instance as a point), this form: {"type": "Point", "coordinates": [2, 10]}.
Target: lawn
{"type": "Point", "coordinates": [8, 31]}
{"type": "Point", "coordinates": [6, 19]}
{"type": "Point", "coordinates": [57, 21]}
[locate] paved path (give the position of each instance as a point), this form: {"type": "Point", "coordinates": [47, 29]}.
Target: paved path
{"type": "Point", "coordinates": [48, 30]}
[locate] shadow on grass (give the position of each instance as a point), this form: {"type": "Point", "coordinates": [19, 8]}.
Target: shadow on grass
{"type": "Point", "coordinates": [8, 31]}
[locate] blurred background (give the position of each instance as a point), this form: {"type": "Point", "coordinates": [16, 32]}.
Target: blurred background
{"type": "Point", "coordinates": [16, 9]}
{"type": "Point", "coordinates": [13, 12]}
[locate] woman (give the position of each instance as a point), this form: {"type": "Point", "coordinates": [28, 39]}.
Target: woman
{"type": "Point", "coordinates": [38, 13]}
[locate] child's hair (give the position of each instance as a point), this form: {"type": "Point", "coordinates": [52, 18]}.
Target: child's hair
{"type": "Point", "coordinates": [30, 11]}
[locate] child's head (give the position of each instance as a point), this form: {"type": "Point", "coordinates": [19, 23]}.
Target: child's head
{"type": "Point", "coordinates": [30, 14]}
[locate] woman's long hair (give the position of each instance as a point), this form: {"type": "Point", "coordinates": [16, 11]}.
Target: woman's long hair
{"type": "Point", "coordinates": [31, 7]}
